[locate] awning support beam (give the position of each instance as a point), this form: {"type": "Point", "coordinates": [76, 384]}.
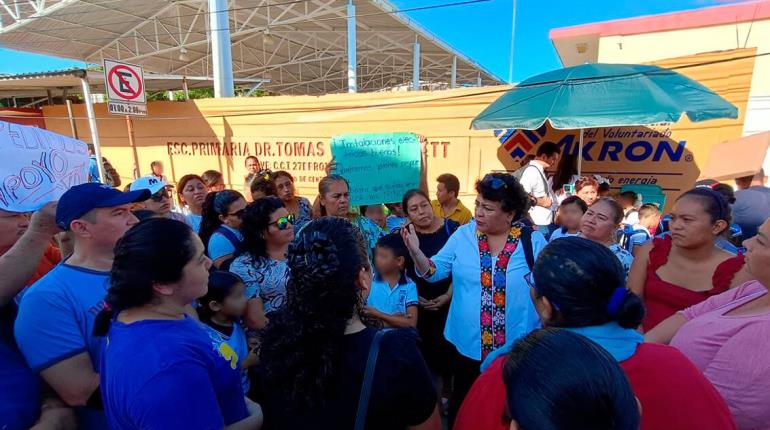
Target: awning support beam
{"type": "Point", "coordinates": [352, 57]}
{"type": "Point", "coordinates": [92, 125]}
{"type": "Point", "coordinates": [416, 65]}
{"type": "Point", "coordinates": [221, 56]}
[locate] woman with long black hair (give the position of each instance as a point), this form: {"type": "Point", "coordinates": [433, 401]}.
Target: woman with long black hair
{"type": "Point", "coordinates": [159, 368]}
{"type": "Point", "coordinates": [267, 230]}
{"type": "Point", "coordinates": [219, 231]}
{"type": "Point", "coordinates": [316, 349]}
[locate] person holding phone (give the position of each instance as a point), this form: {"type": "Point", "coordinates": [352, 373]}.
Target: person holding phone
{"type": "Point", "coordinates": [433, 297]}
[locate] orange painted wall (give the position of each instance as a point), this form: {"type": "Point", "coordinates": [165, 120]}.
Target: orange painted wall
{"type": "Point", "coordinates": [293, 133]}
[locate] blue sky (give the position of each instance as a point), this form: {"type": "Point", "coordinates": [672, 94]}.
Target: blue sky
{"type": "Point", "coordinates": [481, 31]}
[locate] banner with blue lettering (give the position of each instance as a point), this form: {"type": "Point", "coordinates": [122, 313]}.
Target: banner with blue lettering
{"type": "Point", "coordinates": [380, 167]}
{"type": "Point", "coordinates": [637, 155]}
{"type": "Point", "coordinates": [38, 166]}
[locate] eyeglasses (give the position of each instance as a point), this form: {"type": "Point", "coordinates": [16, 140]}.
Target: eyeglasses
{"type": "Point", "coordinates": [238, 214]}
{"type": "Point", "coordinates": [160, 195]}
{"type": "Point", "coordinates": [494, 182]}
{"type": "Point", "coordinates": [530, 279]}
{"type": "Point", "coordinates": [283, 222]}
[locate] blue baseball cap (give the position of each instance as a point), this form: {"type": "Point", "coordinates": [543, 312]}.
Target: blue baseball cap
{"type": "Point", "coordinates": [83, 198]}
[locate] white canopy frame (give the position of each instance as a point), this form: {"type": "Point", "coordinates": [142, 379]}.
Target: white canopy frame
{"type": "Point", "coordinates": [300, 46]}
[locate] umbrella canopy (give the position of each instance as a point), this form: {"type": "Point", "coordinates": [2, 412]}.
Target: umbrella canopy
{"type": "Point", "coordinates": [603, 95]}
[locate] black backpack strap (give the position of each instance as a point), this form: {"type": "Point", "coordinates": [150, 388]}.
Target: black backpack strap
{"type": "Point", "coordinates": [450, 226]}
{"type": "Point", "coordinates": [366, 387]}
{"type": "Point", "coordinates": [526, 242]}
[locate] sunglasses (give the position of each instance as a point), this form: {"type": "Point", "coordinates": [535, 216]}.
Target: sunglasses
{"type": "Point", "coordinates": [494, 182]}
{"type": "Point", "coordinates": [283, 222]}
{"type": "Point", "coordinates": [238, 214]}
{"type": "Point", "coordinates": [160, 195]}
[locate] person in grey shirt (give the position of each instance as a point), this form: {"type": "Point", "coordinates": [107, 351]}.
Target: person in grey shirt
{"type": "Point", "coordinates": [752, 203]}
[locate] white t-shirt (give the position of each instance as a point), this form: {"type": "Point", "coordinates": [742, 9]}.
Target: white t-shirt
{"type": "Point", "coordinates": [534, 184]}
{"type": "Point", "coordinates": [631, 218]}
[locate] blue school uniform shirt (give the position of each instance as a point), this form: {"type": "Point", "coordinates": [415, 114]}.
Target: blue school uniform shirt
{"type": "Point", "coordinates": [561, 232]}
{"type": "Point", "coordinates": [219, 245]}
{"type": "Point", "coordinates": [169, 374]}
{"type": "Point", "coordinates": [394, 300]}
{"type": "Point", "coordinates": [234, 345]}
{"type": "Point", "coordinates": [56, 322]}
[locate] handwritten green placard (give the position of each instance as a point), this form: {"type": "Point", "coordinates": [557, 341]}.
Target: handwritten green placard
{"type": "Point", "coordinates": [380, 167]}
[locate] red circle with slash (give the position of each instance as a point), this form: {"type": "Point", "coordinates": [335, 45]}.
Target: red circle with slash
{"type": "Point", "coordinates": [132, 94]}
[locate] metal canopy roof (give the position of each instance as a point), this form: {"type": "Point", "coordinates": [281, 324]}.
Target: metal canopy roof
{"type": "Point", "coordinates": [36, 84]}
{"type": "Point", "coordinates": [300, 45]}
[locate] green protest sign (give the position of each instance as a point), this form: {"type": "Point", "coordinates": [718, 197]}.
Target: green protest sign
{"type": "Point", "coordinates": [380, 167]}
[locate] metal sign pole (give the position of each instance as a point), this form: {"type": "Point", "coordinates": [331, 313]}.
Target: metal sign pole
{"type": "Point", "coordinates": [580, 154]}
{"type": "Point", "coordinates": [92, 126]}
{"type": "Point", "coordinates": [132, 143]}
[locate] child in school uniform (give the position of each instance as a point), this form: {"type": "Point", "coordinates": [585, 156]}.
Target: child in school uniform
{"type": "Point", "coordinates": [220, 311]}
{"type": "Point", "coordinates": [571, 211]}
{"type": "Point", "coordinates": [393, 296]}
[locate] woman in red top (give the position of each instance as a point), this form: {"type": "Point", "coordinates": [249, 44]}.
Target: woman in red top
{"type": "Point", "coordinates": [578, 286]}
{"type": "Point", "coordinates": [683, 269]}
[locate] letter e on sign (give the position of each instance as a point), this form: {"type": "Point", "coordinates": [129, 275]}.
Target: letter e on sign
{"type": "Point", "coordinates": [124, 82]}
{"type": "Point", "coordinates": [125, 88]}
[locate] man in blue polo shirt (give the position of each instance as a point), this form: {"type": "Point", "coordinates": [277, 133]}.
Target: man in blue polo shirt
{"type": "Point", "coordinates": [56, 315]}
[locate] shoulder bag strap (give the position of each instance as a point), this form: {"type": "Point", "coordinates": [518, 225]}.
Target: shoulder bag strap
{"type": "Point", "coordinates": [526, 242]}
{"type": "Point", "coordinates": [366, 387]}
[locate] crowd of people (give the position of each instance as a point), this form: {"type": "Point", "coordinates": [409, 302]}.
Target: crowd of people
{"type": "Point", "coordinates": [552, 304]}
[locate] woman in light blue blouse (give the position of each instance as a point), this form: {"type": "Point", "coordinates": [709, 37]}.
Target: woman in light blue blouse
{"type": "Point", "coordinates": [487, 258]}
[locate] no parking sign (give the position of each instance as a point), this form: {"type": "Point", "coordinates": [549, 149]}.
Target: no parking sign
{"type": "Point", "coordinates": [125, 88]}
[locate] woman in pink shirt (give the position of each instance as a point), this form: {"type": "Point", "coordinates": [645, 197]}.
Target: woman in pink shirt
{"type": "Point", "coordinates": [727, 336]}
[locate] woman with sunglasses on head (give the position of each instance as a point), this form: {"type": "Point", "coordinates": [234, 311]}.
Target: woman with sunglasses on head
{"type": "Point", "coordinates": [487, 259]}
{"type": "Point", "coordinates": [222, 213]}
{"type": "Point", "coordinates": [300, 207]}
{"type": "Point", "coordinates": [578, 286]}
{"type": "Point", "coordinates": [192, 194]}
{"type": "Point", "coordinates": [601, 223]}
{"type": "Point", "coordinates": [261, 261]}
{"type": "Point", "coordinates": [686, 267]}
{"type": "Point", "coordinates": [334, 198]}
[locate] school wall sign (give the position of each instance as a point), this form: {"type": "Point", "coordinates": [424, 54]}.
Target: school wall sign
{"type": "Point", "coordinates": [294, 133]}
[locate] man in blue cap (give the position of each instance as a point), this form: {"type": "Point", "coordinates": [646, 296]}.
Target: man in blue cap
{"type": "Point", "coordinates": [56, 315]}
